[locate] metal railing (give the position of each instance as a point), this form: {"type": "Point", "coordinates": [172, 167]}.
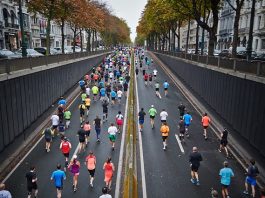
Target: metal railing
{"type": "Point", "coordinates": [10, 65]}
{"type": "Point", "coordinates": [241, 65]}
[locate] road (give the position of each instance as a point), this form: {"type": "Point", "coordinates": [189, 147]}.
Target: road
{"type": "Point", "coordinates": [167, 172]}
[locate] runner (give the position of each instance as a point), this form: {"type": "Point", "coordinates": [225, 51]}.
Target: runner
{"type": "Point", "coordinates": [87, 128]}
{"type": "Point", "coordinates": [113, 95]}
{"type": "Point", "coordinates": [141, 116]}
{"type": "Point", "coordinates": [91, 166]}
{"type": "Point", "coordinates": [5, 193]}
{"type": "Point", "coordinates": [152, 113]}
{"type": "Point", "coordinates": [205, 123]}
{"type": "Point", "coordinates": [119, 121]}
{"type": "Point", "coordinates": [182, 109]}
{"type": "Point", "coordinates": [164, 129]}
{"type": "Point", "coordinates": [150, 78]}
{"type": "Point", "coordinates": [119, 95]}
{"type": "Point", "coordinates": [182, 130]}
{"type": "Point", "coordinates": [82, 84]}
{"type": "Point", "coordinates": [48, 138]}
{"type": "Point", "coordinates": [251, 179]}
{"type": "Point", "coordinates": [225, 174]}
{"type": "Point", "coordinates": [60, 112]}
{"type": "Point", "coordinates": [105, 193]}
{"type": "Point", "coordinates": [105, 103]}
{"type": "Point", "coordinates": [61, 128]}
{"type": "Point", "coordinates": [55, 122]}
{"type": "Point", "coordinates": [58, 176]}
{"type": "Point", "coordinates": [157, 89]}
{"type": "Point", "coordinates": [145, 79]}
{"type": "Point", "coordinates": [74, 168]}
{"type": "Point", "coordinates": [163, 115]}
{"type": "Point", "coordinates": [82, 108]}
{"type": "Point", "coordinates": [143, 71]}
{"type": "Point", "coordinates": [82, 139]}
{"type": "Point", "coordinates": [67, 117]}
{"type": "Point", "coordinates": [125, 88]}
{"type": "Point", "coordinates": [166, 86]}
{"type": "Point", "coordinates": [32, 182]}
{"type": "Point", "coordinates": [187, 121]}
{"type": "Point", "coordinates": [155, 73]}
{"type": "Point", "coordinates": [95, 91]}
{"type": "Point", "coordinates": [112, 130]}
{"type": "Point", "coordinates": [87, 104]}
{"type": "Point", "coordinates": [195, 158]}
{"type": "Point", "coordinates": [137, 72]}
{"type": "Point", "coordinates": [223, 142]}
{"type": "Point", "coordinates": [83, 96]}
{"type": "Point", "coordinates": [97, 123]}
{"type": "Point", "coordinates": [109, 168]}
{"type": "Point", "coordinates": [65, 147]}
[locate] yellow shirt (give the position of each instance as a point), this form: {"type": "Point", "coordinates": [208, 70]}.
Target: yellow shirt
{"type": "Point", "coordinates": [164, 130]}
{"type": "Point", "coordinates": [87, 101]}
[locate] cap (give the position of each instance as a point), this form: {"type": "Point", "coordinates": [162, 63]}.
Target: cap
{"type": "Point", "coordinates": [152, 105]}
{"type": "Point", "coordinates": [74, 156]}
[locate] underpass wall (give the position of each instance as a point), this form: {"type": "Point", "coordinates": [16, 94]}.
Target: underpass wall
{"type": "Point", "coordinates": [240, 102]}
{"type": "Point", "coordinates": [23, 99]}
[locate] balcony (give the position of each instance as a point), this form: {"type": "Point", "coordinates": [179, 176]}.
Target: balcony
{"type": "Point", "coordinates": [11, 25]}
{"type": "Point", "coordinates": [226, 12]}
{"type": "Point", "coordinates": [259, 32]}
{"type": "Point", "coordinates": [225, 32]}
{"type": "Point", "coordinates": [243, 30]}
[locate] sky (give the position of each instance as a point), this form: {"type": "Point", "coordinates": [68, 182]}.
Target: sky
{"type": "Point", "coordinates": [130, 10]}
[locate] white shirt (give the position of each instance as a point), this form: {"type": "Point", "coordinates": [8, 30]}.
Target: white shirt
{"type": "Point", "coordinates": [106, 66]}
{"type": "Point", "coordinates": [119, 93]}
{"type": "Point", "coordinates": [105, 196]}
{"type": "Point", "coordinates": [111, 74]}
{"type": "Point", "coordinates": [155, 72]}
{"type": "Point", "coordinates": [88, 91]}
{"type": "Point", "coordinates": [55, 120]}
{"type": "Point", "coordinates": [119, 117]}
{"type": "Point", "coordinates": [163, 115]}
{"type": "Point", "coordinates": [112, 130]}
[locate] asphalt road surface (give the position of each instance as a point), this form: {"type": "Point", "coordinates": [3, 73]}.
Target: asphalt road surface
{"type": "Point", "coordinates": [168, 172]}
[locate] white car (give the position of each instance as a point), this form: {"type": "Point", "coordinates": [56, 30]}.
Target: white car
{"type": "Point", "coordinates": [30, 53]}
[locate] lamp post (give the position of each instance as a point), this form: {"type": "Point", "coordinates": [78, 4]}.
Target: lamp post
{"type": "Point", "coordinates": [23, 43]}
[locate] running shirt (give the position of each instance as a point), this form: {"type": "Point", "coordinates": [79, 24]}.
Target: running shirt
{"type": "Point", "coordinates": [81, 134]}
{"type": "Point", "coordinates": [58, 176]}
{"type": "Point", "coordinates": [155, 72]}
{"type": "Point", "coordinates": [82, 108]}
{"type": "Point", "coordinates": [119, 93]}
{"type": "Point", "coordinates": [62, 102]}
{"type": "Point", "coordinates": [119, 117]}
{"type": "Point", "coordinates": [112, 130]}
{"type": "Point", "coordinates": [97, 122]}
{"type": "Point", "coordinates": [205, 121]}
{"type": "Point", "coordinates": [81, 83]}
{"type": "Point", "coordinates": [103, 91]}
{"type": "Point", "coordinates": [164, 129]}
{"type": "Point", "coordinates": [91, 162]}
{"type": "Point", "coordinates": [146, 77]}
{"type": "Point", "coordinates": [141, 115]}
{"type": "Point", "coordinates": [157, 85]}
{"type": "Point", "coordinates": [83, 96]}
{"type": "Point", "coordinates": [87, 102]}
{"type": "Point", "coordinates": [187, 118]}
{"type": "Point", "coordinates": [55, 120]}
{"type": "Point", "coordinates": [61, 127]}
{"type": "Point", "coordinates": [165, 85]}
{"type": "Point", "coordinates": [163, 115]}
{"type": "Point", "coordinates": [65, 146]}
{"type": "Point", "coordinates": [226, 174]}
{"type": "Point", "coordinates": [87, 127]}
{"type": "Point", "coordinates": [87, 91]}
{"type": "Point", "coordinates": [113, 94]}
{"type": "Point", "coordinates": [95, 90]}
{"type": "Point", "coordinates": [47, 133]}
{"type": "Point", "coordinates": [181, 126]}
{"type": "Point", "coordinates": [152, 111]}
{"type": "Point", "coordinates": [31, 176]}
{"type": "Point", "coordinates": [67, 115]}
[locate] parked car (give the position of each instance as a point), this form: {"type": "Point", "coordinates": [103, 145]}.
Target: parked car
{"type": "Point", "coordinates": [243, 54]}
{"type": "Point", "coordinates": [260, 57]}
{"type": "Point", "coordinates": [225, 53]}
{"type": "Point", "coordinates": [6, 54]}
{"type": "Point", "coordinates": [238, 49]}
{"type": "Point", "coordinates": [30, 53]}
{"type": "Point", "coordinates": [43, 50]}
{"type": "Point", "coordinates": [216, 52]}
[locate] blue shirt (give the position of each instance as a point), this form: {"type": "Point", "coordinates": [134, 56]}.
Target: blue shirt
{"type": "Point", "coordinates": [62, 102]}
{"type": "Point", "coordinates": [81, 83]}
{"type": "Point", "coordinates": [187, 118]}
{"type": "Point", "coordinates": [102, 91]}
{"type": "Point", "coordinates": [113, 94]}
{"type": "Point", "coordinates": [226, 174]}
{"type": "Point", "coordinates": [165, 84]}
{"type": "Point", "coordinates": [58, 176]}
{"type": "Point", "coordinates": [101, 84]}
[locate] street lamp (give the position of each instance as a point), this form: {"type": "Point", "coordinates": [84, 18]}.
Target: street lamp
{"type": "Point", "coordinates": [23, 43]}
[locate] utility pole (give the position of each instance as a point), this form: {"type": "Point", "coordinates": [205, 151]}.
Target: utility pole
{"type": "Point", "coordinates": [23, 43]}
{"type": "Point", "coordinates": [251, 25]}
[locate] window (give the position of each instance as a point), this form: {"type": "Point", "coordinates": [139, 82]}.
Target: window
{"type": "Point", "coordinates": [257, 44]}
{"type": "Point", "coordinates": [263, 44]}
{"type": "Point", "coordinates": [259, 20]}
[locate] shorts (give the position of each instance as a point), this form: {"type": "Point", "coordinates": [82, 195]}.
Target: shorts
{"type": "Point", "coordinates": [157, 89]}
{"type": "Point", "coordinates": [224, 186]}
{"type": "Point", "coordinates": [152, 117]}
{"type": "Point", "coordinates": [59, 187]}
{"type": "Point", "coordinates": [163, 121]}
{"type": "Point", "coordinates": [119, 122]}
{"type": "Point", "coordinates": [81, 140]}
{"type": "Point", "coordinates": [119, 98]}
{"type": "Point", "coordinates": [105, 110]}
{"type": "Point", "coordinates": [48, 139]}
{"type": "Point", "coordinates": [75, 174]}
{"type": "Point", "coordinates": [205, 127]}
{"type": "Point", "coordinates": [164, 138]}
{"type": "Point", "coordinates": [145, 80]}
{"type": "Point", "coordinates": [194, 168]}
{"type": "Point", "coordinates": [223, 142]}
{"type": "Point", "coordinates": [182, 132]}
{"type": "Point", "coordinates": [66, 155]}
{"type": "Point", "coordinates": [87, 107]}
{"type": "Point", "coordinates": [251, 181]}
{"type": "Point", "coordinates": [92, 172]}
{"type": "Point", "coordinates": [87, 133]}
{"type": "Point", "coordinates": [187, 124]}
{"type": "Point", "coordinates": [54, 127]}
{"type": "Point", "coordinates": [31, 188]}
{"type": "Point", "coordinates": [154, 75]}
{"type": "Point", "coordinates": [113, 98]}
{"type": "Point", "coordinates": [141, 122]}
{"type": "Point", "coordinates": [95, 94]}
{"type": "Point", "coordinates": [82, 113]}
{"type": "Point", "coordinates": [112, 138]}
{"type": "Point", "coordinates": [165, 89]}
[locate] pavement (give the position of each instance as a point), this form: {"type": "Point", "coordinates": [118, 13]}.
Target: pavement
{"type": "Point", "coordinates": [167, 173]}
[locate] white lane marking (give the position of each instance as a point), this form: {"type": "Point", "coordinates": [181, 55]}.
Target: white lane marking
{"type": "Point", "coordinates": [34, 146]}
{"type": "Point", "coordinates": [179, 143]}
{"type": "Point", "coordinates": [118, 180]}
{"type": "Point", "coordinates": [140, 144]}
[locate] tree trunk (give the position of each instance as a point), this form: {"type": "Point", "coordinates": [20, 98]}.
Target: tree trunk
{"type": "Point", "coordinates": [93, 41]}
{"type": "Point", "coordinates": [212, 39]}
{"type": "Point", "coordinates": [169, 40]}
{"type": "Point", "coordinates": [62, 33]}
{"type": "Point", "coordinates": [188, 35]}
{"type": "Point", "coordinates": [250, 37]}
{"type": "Point", "coordinates": [48, 32]}
{"type": "Point", "coordinates": [74, 41]}
{"type": "Point", "coordinates": [88, 48]}
{"type": "Point", "coordinates": [96, 39]}
{"type": "Point", "coordinates": [81, 40]}
{"type": "Point", "coordinates": [235, 36]}
{"type": "Point", "coordinates": [174, 39]}
{"type": "Point", "coordinates": [197, 39]}
{"type": "Point", "coordinates": [179, 37]}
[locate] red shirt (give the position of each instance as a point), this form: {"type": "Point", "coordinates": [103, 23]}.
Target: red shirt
{"type": "Point", "coordinates": [65, 147]}
{"type": "Point", "coordinates": [146, 76]}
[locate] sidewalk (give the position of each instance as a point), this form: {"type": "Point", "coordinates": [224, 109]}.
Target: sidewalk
{"type": "Point", "coordinates": [238, 146]}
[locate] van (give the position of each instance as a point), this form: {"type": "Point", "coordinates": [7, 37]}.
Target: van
{"type": "Point", "coordinates": [238, 49]}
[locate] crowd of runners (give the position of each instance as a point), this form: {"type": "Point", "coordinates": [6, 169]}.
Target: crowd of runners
{"type": "Point", "coordinates": [143, 65]}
